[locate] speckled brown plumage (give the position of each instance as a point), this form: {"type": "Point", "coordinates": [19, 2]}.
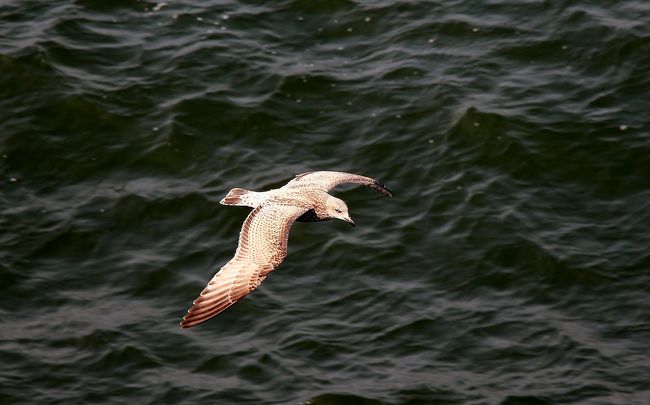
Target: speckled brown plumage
{"type": "Point", "coordinates": [326, 181]}
{"type": "Point", "coordinates": [265, 232]}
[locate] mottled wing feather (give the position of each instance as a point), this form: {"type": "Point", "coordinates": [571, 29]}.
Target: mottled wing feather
{"type": "Point", "coordinates": [262, 247]}
{"type": "Point", "coordinates": [326, 180]}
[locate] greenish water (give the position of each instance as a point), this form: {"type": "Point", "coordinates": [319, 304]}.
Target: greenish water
{"type": "Point", "coordinates": [512, 266]}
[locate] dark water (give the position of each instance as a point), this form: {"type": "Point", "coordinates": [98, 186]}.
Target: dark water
{"type": "Point", "coordinates": [512, 266]}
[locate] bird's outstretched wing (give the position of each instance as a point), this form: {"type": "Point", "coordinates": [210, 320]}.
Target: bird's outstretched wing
{"type": "Point", "coordinates": [262, 247]}
{"type": "Point", "coordinates": [327, 180]}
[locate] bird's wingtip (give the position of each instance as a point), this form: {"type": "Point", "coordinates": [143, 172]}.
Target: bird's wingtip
{"type": "Point", "coordinates": [382, 188]}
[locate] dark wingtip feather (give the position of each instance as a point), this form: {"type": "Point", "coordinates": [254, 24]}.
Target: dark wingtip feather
{"type": "Point", "coordinates": [381, 188]}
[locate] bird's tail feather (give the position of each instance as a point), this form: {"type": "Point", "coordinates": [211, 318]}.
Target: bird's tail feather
{"type": "Point", "coordinates": [242, 197]}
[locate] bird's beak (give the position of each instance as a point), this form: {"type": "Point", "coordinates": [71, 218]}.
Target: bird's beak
{"type": "Point", "coordinates": [349, 220]}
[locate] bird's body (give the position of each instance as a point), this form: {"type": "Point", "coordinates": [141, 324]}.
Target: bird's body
{"type": "Point", "coordinates": [264, 234]}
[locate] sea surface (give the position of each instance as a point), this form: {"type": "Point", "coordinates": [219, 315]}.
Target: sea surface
{"type": "Point", "coordinates": [512, 266]}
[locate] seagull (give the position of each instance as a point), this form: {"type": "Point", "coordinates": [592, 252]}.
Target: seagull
{"type": "Point", "coordinates": [264, 234]}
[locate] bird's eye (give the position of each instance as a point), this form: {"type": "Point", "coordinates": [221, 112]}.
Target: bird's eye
{"type": "Point", "coordinates": [337, 210]}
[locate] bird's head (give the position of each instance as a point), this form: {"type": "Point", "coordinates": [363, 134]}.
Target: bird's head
{"type": "Point", "coordinates": [337, 208]}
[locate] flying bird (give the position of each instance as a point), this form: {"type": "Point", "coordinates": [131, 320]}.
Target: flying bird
{"type": "Point", "coordinates": [264, 234]}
